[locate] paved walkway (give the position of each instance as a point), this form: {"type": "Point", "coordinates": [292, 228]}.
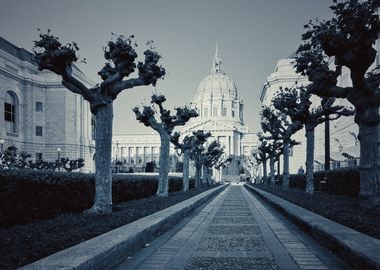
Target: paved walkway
{"type": "Point", "coordinates": [233, 231]}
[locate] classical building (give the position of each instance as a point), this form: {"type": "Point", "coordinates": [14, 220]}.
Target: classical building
{"type": "Point", "coordinates": [220, 111]}
{"type": "Point", "coordinates": [284, 76]}
{"type": "Point", "coordinates": [39, 115]}
{"type": "Point", "coordinates": [344, 146]}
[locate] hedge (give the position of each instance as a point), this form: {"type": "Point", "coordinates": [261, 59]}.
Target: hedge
{"type": "Point", "coordinates": [28, 195]}
{"type": "Point", "coordinates": [344, 181]}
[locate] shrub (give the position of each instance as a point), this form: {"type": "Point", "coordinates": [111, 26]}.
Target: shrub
{"type": "Point", "coordinates": [344, 181]}
{"type": "Point", "coordinates": [29, 195]}
{"type": "Point", "coordinates": [150, 166]}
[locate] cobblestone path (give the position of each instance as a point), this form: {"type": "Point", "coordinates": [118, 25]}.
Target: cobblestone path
{"type": "Point", "coordinates": [234, 231]}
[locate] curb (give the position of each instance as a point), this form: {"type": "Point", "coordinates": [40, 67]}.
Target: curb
{"type": "Point", "coordinates": [357, 249]}
{"type": "Point", "coordinates": [109, 249]}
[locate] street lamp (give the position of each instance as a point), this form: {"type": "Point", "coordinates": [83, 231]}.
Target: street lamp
{"type": "Point", "coordinates": [59, 158]}
{"type": "Point", "coordinates": [2, 141]}
{"type": "Point", "coordinates": [117, 152]}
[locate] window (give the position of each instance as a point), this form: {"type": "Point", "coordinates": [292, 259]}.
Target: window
{"type": "Point", "coordinates": [38, 131]}
{"type": "Point", "coordinates": [290, 151]}
{"type": "Point", "coordinates": [39, 106]}
{"type": "Point", "coordinates": [224, 111]}
{"type": "Point", "coordinates": [215, 111]}
{"type": "Point", "coordinates": [38, 156]}
{"type": "Point", "coordinates": [205, 112]}
{"type": "Point", "coordinates": [10, 112]}
{"type": "Point", "coordinates": [233, 113]}
{"type": "Point", "coordinates": [93, 124]}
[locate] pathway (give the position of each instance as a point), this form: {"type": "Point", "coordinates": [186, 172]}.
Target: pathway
{"type": "Point", "coordinates": [233, 231]}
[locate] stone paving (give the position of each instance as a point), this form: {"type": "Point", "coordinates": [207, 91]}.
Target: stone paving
{"type": "Point", "coordinates": [233, 231]}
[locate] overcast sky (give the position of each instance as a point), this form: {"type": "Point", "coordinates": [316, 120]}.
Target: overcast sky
{"type": "Point", "coordinates": [252, 35]}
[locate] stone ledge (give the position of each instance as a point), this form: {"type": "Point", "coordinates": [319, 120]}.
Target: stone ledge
{"type": "Point", "coordinates": [109, 249]}
{"type": "Point", "coordinates": [359, 250]}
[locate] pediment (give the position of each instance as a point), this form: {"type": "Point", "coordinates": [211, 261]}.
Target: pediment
{"type": "Point", "coordinates": [208, 125]}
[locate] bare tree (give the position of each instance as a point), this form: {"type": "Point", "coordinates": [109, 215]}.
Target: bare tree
{"type": "Point", "coordinates": [349, 37]}
{"type": "Point", "coordinates": [120, 55]}
{"type": "Point", "coordinates": [164, 129]}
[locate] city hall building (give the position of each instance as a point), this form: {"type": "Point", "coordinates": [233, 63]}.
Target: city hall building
{"type": "Point", "coordinates": [38, 114]}
{"type": "Point", "coordinates": [220, 110]}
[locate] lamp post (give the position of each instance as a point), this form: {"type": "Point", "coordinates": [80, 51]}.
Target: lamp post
{"type": "Point", "coordinates": [59, 158]}
{"type": "Point", "coordinates": [2, 141]}
{"type": "Point", "coordinates": [117, 152]}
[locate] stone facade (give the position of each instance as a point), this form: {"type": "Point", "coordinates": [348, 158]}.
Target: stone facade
{"type": "Point", "coordinates": [39, 115]}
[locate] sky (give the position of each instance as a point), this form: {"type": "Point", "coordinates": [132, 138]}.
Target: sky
{"type": "Point", "coordinates": [252, 36]}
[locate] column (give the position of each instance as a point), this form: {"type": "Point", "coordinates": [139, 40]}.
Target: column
{"type": "Point", "coordinates": [229, 145]}
{"type": "Point", "coordinates": [233, 139]}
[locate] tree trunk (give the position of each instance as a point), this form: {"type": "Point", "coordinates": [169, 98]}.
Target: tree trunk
{"type": "Point", "coordinates": [285, 175]}
{"type": "Point", "coordinates": [163, 181]}
{"type": "Point", "coordinates": [369, 165]}
{"type": "Point", "coordinates": [198, 168]}
{"type": "Point", "coordinates": [265, 173]}
{"type": "Point", "coordinates": [327, 144]}
{"type": "Point", "coordinates": [103, 172]}
{"type": "Point", "coordinates": [204, 174]}
{"type": "Point", "coordinates": [271, 166]}
{"type": "Point", "coordinates": [186, 164]}
{"type": "Point", "coordinates": [310, 160]}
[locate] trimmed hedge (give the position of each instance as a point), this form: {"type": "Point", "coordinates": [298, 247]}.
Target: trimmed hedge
{"type": "Point", "coordinates": [28, 195]}
{"type": "Point", "coordinates": [345, 181]}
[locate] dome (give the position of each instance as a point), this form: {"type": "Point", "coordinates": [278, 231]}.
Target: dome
{"type": "Point", "coordinates": [216, 85]}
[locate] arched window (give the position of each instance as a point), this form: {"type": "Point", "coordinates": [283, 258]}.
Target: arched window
{"type": "Point", "coordinates": [11, 112]}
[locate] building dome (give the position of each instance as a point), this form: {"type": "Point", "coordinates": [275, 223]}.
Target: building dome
{"type": "Point", "coordinates": [216, 85]}
{"type": "Point", "coordinates": [217, 96]}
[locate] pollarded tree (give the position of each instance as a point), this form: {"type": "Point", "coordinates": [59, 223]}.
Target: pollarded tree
{"type": "Point", "coordinates": [220, 165]}
{"type": "Point", "coordinates": [262, 154]}
{"type": "Point", "coordinates": [210, 158]}
{"type": "Point", "coordinates": [184, 149]}
{"type": "Point", "coordinates": [297, 105]}
{"type": "Point", "coordinates": [288, 129]}
{"type": "Point", "coordinates": [272, 126]}
{"type": "Point", "coordinates": [250, 164]}
{"type": "Point", "coordinates": [164, 129]}
{"type": "Point", "coordinates": [349, 37]}
{"type": "Point", "coordinates": [120, 55]}
{"type": "Point", "coordinates": [196, 153]}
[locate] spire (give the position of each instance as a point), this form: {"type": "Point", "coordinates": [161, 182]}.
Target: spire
{"type": "Point", "coordinates": [217, 62]}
